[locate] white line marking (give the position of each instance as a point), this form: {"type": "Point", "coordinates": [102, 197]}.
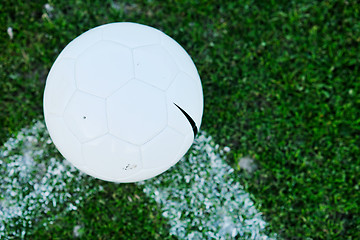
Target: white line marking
{"type": "Point", "coordinates": [36, 183]}
{"type": "Point", "coordinates": [202, 200]}
{"type": "Point", "coordinates": [199, 195]}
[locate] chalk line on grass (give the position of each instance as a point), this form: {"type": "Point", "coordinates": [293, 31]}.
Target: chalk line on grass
{"type": "Point", "coordinates": [36, 184]}
{"type": "Point", "coordinates": [202, 199]}
{"type": "Point", "coordinates": [199, 195]}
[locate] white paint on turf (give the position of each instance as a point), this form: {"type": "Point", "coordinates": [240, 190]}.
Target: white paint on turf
{"type": "Point", "coordinates": [36, 184]}
{"type": "Point", "coordinates": [202, 199]}
{"type": "Point", "coordinates": [199, 196]}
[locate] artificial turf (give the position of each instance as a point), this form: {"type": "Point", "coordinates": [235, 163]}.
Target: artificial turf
{"type": "Point", "coordinates": [281, 84]}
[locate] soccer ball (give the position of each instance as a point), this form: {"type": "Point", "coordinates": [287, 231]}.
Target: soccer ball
{"type": "Point", "coordinates": [123, 102]}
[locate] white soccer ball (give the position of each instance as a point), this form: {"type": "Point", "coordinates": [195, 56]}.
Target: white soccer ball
{"type": "Point", "coordinates": [123, 102]}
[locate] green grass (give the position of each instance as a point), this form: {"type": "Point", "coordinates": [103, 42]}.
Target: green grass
{"type": "Point", "coordinates": [281, 83]}
{"type": "Point", "coordinates": [117, 213]}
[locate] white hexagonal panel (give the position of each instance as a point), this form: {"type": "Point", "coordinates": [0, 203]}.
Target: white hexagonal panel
{"type": "Point", "coordinates": [145, 174]}
{"type": "Point", "coordinates": [131, 34]}
{"type": "Point", "coordinates": [111, 159]}
{"type": "Point", "coordinates": [68, 145]}
{"type": "Point", "coordinates": [60, 86]}
{"type": "Point", "coordinates": [188, 141]}
{"type": "Point", "coordinates": [155, 66]}
{"type": "Point", "coordinates": [103, 68]}
{"type": "Point", "coordinates": [162, 150]}
{"type": "Point", "coordinates": [136, 112]}
{"type": "Point", "coordinates": [85, 115]}
{"type": "Point", "coordinates": [186, 93]}
{"type": "Point", "coordinates": [82, 42]}
{"type": "Point", "coordinates": [180, 56]}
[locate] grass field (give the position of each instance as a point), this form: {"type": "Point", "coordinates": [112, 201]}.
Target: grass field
{"type": "Point", "coordinates": [281, 84]}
